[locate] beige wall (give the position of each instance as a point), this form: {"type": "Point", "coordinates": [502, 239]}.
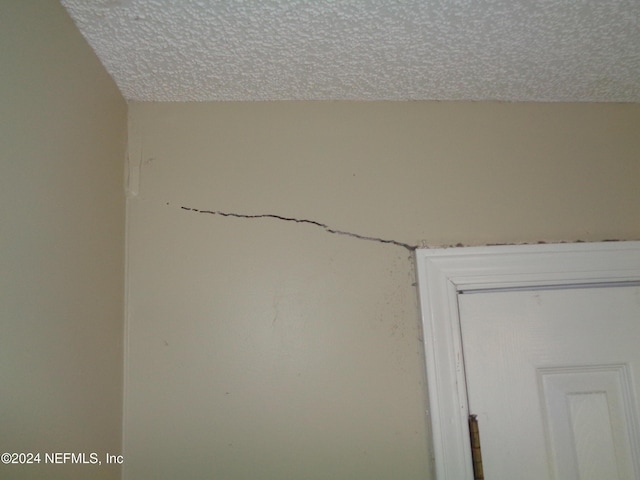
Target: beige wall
{"type": "Point", "coordinates": [274, 349]}
{"type": "Point", "coordinates": [62, 149]}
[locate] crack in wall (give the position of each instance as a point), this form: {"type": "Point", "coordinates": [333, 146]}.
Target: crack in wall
{"type": "Point", "coordinates": [325, 227]}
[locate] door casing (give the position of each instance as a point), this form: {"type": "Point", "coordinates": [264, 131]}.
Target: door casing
{"type": "Point", "coordinates": [444, 273]}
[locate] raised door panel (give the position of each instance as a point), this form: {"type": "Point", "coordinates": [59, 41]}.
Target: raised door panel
{"type": "Point", "coordinates": [550, 375]}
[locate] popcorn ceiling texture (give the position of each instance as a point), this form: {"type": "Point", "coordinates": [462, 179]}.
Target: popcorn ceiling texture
{"type": "Point", "coordinates": [202, 50]}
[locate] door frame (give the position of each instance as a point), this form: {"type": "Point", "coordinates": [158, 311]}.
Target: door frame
{"type": "Point", "coordinates": [444, 273]}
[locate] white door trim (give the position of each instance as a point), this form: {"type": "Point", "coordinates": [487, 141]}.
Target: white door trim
{"type": "Point", "coordinates": [444, 273]}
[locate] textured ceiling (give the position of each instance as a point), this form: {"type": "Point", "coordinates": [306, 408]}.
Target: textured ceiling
{"type": "Point", "coordinates": [514, 50]}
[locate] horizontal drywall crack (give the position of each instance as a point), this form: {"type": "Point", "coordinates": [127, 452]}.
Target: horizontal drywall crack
{"type": "Point", "coordinates": [326, 228]}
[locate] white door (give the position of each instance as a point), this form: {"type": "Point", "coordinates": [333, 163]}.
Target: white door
{"type": "Point", "coordinates": [553, 377]}
{"type": "Point", "coordinates": [542, 343]}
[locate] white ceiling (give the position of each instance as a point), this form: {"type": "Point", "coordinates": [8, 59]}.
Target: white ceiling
{"type": "Point", "coordinates": [513, 50]}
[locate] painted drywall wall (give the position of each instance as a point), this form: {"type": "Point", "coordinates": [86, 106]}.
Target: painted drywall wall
{"type": "Point", "coordinates": [267, 341]}
{"type": "Point", "coordinates": [63, 127]}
